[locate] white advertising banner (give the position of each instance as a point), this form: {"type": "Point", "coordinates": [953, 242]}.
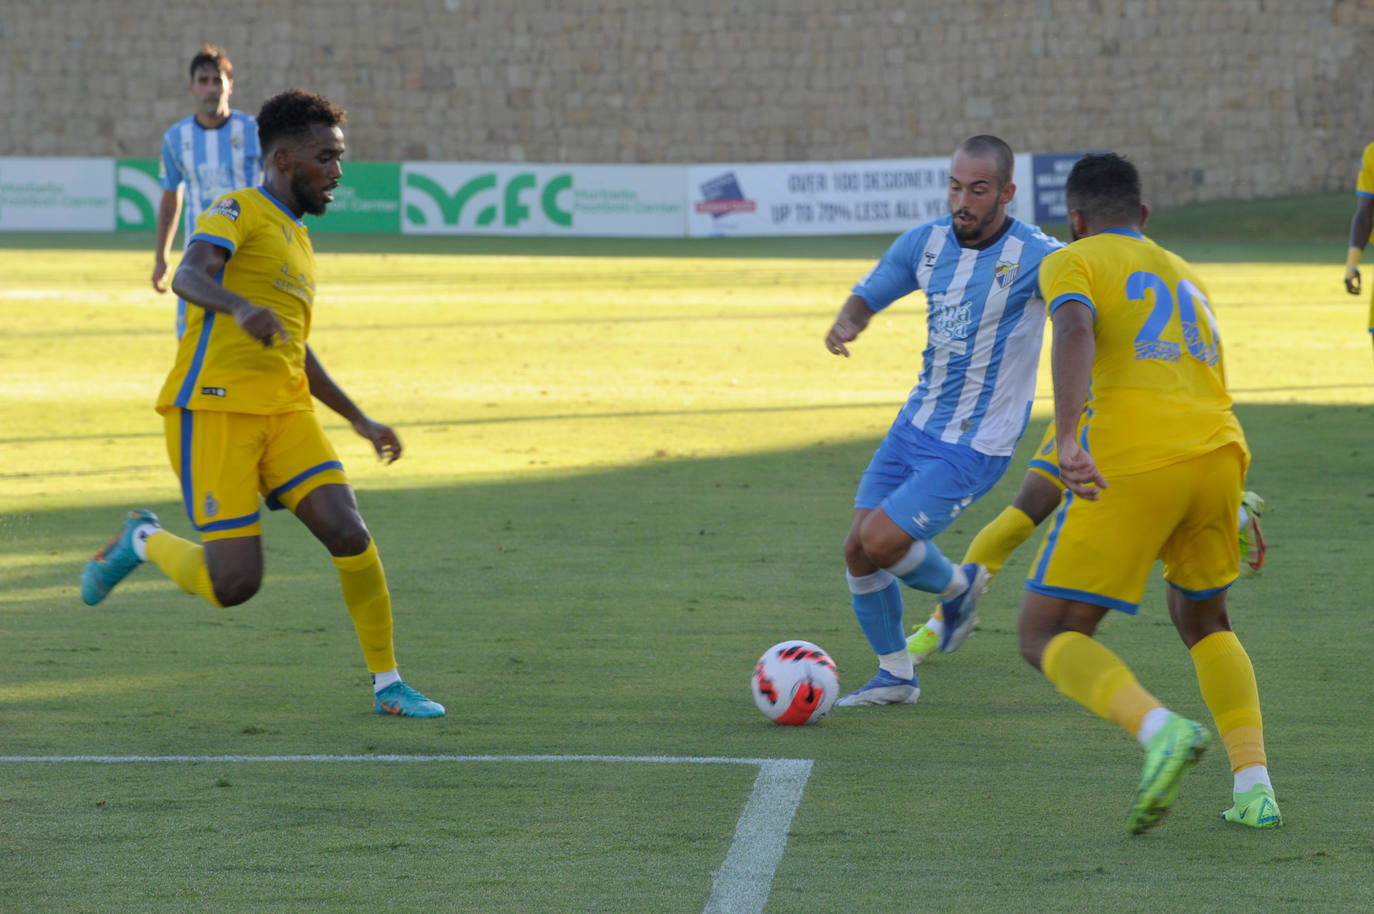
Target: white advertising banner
{"type": "Point", "coordinates": [57, 195]}
{"type": "Point", "coordinates": [489, 198]}
{"type": "Point", "coordinates": [873, 196]}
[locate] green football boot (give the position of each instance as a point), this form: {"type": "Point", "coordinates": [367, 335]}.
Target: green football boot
{"type": "Point", "coordinates": [921, 643]}
{"type": "Point", "coordinates": [1252, 548]}
{"type": "Point", "coordinates": [1178, 746]}
{"type": "Point", "coordinates": [1255, 808]}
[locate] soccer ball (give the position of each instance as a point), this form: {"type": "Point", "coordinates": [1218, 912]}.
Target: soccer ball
{"type": "Point", "coordinates": [795, 683]}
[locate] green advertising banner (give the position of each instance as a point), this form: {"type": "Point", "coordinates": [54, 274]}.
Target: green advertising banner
{"type": "Point", "coordinates": [137, 195]}
{"type": "Point", "coordinates": [368, 199]}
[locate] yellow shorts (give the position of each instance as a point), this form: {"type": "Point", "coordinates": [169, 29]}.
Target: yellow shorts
{"type": "Point", "coordinates": [1101, 552]}
{"type": "Point", "coordinates": [225, 461]}
{"type": "Point", "coordinates": [1045, 460]}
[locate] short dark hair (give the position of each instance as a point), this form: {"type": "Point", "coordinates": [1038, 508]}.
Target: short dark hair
{"type": "Point", "coordinates": [291, 114]}
{"type": "Point", "coordinates": [214, 55]}
{"type": "Point", "coordinates": [1104, 187]}
{"type": "Point", "coordinates": [984, 145]}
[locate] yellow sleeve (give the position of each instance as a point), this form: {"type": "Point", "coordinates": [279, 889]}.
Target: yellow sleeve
{"type": "Point", "coordinates": [1365, 184]}
{"type": "Point", "coordinates": [1065, 275]}
{"type": "Point", "coordinates": [225, 223]}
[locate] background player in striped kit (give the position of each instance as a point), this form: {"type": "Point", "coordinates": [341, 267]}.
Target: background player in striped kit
{"type": "Point", "coordinates": [211, 152]}
{"type": "Point", "coordinates": [953, 439]}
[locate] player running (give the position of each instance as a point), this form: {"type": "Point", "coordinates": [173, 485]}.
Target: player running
{"type": "Point", "coordinates": [1153, 459]}
{"type": "Point", "coordinates": [238, 409]}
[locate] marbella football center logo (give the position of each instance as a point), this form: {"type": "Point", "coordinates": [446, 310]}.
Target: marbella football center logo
{"type": "Point", "coordinates": [432, 199]}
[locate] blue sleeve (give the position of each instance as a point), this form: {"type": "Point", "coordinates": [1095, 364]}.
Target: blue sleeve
{"type": "Point", "coordinates": [254, 158]}
{"type": "Point", "coordinates": [169, 171]}
{"type": "Point", "coordinates": [894, 276]}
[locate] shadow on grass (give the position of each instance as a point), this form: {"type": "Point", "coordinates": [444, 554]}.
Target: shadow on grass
{"type": "Point", "coordinates": [602, 579]}
{"type": "Point", "coordinates": [621, 612]}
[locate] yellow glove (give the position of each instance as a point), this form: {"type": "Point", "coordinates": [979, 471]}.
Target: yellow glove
{"type": "Point", "coordinates": [1352, 270]}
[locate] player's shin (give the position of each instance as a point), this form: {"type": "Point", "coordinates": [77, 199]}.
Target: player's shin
{"type": "Point", "coordinates": [995, 543]}
{"type": "Point", "coordinates": [1096, 678]}
{"type": "Point", "coordinates": [877, 602]}
{"type": "Point", "coordinates": [1227, 681]}
{"type": "Point", "coordinates": [925, 568]}
{"type": "Point", "coordinates": [363, 582]}
{"type": "Point", "coordinates": [183, 562]}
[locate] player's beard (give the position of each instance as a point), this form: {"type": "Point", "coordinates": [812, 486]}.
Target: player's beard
{"type": "Point", "coordinates": [976, 230]}
{"type": "Point", "coordinates": [310, 199]}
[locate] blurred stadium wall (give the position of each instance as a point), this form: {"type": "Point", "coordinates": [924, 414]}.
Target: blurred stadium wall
{"type": "Point", "coordinates": [1221, 99]}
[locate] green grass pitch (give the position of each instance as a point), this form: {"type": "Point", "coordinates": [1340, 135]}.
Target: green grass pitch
{"type": "Point", "coordinates": [629, 468]}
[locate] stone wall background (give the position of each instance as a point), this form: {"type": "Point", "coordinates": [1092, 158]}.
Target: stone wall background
{"type": "Point", "coordinates": [1220, 99]}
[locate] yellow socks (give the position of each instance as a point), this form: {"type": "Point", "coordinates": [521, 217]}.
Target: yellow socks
{"type": "Point", "coordinates": [1093, 676]}
{"type": "Point", "coordinates": [369, 603]}
{"type": "Point", "coordinates": [183, 562]}
{"type": "Point", "coordinates": [995, 543]}
{"type": "Point", "coordinates": [1228, 686]}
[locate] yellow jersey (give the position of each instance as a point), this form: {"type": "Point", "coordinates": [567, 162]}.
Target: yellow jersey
{"type": "Point", "coordinates": [272, 264]}
{"type": "Point", "coordinates": [1364, 184]}
{"type": "Point", "coordinates": [1158, 392]}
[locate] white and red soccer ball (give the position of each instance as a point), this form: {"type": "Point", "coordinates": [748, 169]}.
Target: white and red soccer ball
{"type": "Point", "coordinates": [795, 683]}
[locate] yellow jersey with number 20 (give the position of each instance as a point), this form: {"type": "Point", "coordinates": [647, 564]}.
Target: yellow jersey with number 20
{"type": "Point", "coordinates": [1158, 382]}
{"type": "Point", "coordinates": [272, 264]}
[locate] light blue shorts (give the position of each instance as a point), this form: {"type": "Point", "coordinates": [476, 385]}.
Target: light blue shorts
{"type": "Point", "coordinates": [922, 483]}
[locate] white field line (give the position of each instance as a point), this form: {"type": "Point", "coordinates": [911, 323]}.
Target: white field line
{"type": "Point", "coordinates": [740, 886]}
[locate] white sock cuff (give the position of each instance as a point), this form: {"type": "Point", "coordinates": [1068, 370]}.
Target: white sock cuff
{"type": "Point", "coordinates": [898, 663]}
{"type": "Point", "coordinates": [1246, 778]}
{"type": "Point", "coordinates": [869, 583]}
{"type": "Point", "coordinates": [908, 563]}
{"type": "Point", "coordinates": [382, 680]}
{"type": "Point", "coordinates": [140, 539]}
{"type": "Point", "coordinates": [1150, 724]}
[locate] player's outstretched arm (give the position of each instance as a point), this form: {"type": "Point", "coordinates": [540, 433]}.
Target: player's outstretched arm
{"type": "Point", "coordinates": [195, 281]}
{"type": "Point", "coordinates": [384, 439]}
{"type": "Point", "coordinates": [850, 322]}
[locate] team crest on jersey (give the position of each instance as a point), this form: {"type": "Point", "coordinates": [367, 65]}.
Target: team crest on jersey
{"type": "Point", "coordinates": [229, 209]}
{"type": "Point", "coordinates": [211, 504]}
{"type": "Point", "coordinates": [1006, 271]}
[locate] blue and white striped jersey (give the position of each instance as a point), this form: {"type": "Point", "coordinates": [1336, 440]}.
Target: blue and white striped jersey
{"type": "Point", "coordinates": [985, 322]}
{"type": "Point", "coordinates": [210, 162]}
